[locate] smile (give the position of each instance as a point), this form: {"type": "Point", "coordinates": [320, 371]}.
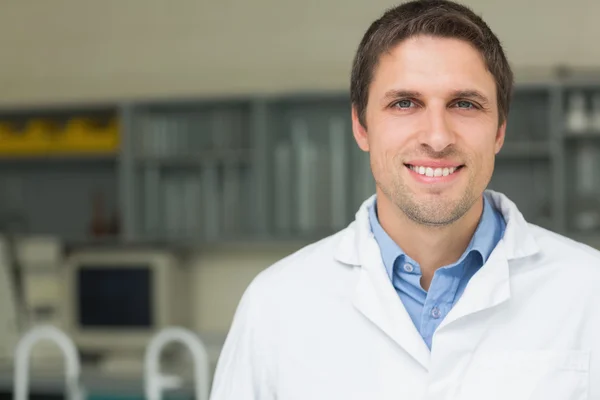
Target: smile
{"type": "Point", "coordinates": [433, 172]}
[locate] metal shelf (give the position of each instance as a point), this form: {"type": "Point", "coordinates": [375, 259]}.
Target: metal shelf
{"type": "Point", "coordinates": [239, 157]}
{"type": "Point", "coordinates": [59, 158]}
{"type": "Point", "coordinates": [232, 144]}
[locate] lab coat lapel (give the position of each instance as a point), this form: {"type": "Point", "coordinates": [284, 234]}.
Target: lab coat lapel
{"type": "Point", "coordinates": [488, 288]}
{"type": "Point", "coordinates": [376, 298]}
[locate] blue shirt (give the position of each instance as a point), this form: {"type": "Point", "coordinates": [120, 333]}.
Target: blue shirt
{"type": "Point", "coordinates": [428, 309]}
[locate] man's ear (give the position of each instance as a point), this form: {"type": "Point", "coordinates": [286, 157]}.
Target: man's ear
{"type": "Point", "coordinates": [359, 131]}
{"type": "Point", "coordinates": [500, 135]}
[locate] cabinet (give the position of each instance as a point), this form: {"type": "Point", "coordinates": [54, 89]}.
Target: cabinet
{"type": "Point", "coordinates": [276, 168]}
{"type": "Point", "coordinates": [580, 149]}
{"type": "Point", "coordinates": [55, 162]}
{"type": "Point", "coordinates": [526, 165]}
{"type": "Point", "coordinates": [191, 171]}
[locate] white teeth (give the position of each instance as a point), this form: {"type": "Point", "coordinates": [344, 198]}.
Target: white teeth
{"type": "Point", "coordinates": [431, 172]}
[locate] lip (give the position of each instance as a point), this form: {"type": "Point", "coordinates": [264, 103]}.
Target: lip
{"type": "Point", "coordinates": [434, 163]}
{"type": "Point", "coordinates": [435, 179]}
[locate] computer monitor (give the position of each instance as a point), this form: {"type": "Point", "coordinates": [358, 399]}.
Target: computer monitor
{"type": "Point", "coordinates": [115, 300]}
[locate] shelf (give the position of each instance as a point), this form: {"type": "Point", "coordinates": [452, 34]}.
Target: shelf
{"type": "Point", "coordinates": [243, 242]}
{"type": "Point", "coordinates": [238, 156]}
{"type": "Point", "coordinates": [117, 243]}
{"type": "Point", "coordinates": [525, 150]}
{"type": "Point", "coordinates": [168, 144]}
{"type": "Point", "coordinates": [586, 135]}
{"type": "Point", "coordinates": [58, 158]}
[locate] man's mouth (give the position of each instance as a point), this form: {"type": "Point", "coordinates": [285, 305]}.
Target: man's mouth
{"type": "Point", "coordinates": [433, 172]}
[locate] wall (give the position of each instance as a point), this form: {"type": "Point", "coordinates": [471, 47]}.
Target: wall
{"type": "Point", "coordinates": [67, 50]}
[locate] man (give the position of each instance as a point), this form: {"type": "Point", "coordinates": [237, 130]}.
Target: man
{"type": "Point", "coordinates": [439, 289]}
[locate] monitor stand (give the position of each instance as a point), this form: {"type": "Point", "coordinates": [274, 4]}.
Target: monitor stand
{"type": "Point", "coordinates": [123, 364]}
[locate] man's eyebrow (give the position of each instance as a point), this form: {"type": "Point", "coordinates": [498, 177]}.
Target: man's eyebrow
{"type": "Point", "coordinates": [471, 94]}
{"type": "Point", "coordinates": [465, 94]}
{"type": "Point", "coordinates": [397, 93]}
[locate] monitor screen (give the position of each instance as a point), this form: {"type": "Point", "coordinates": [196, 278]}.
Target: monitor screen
{"type": "Point", "coordinates": [114, 297]}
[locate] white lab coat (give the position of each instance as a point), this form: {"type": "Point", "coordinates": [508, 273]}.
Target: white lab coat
{"type": "Point", "coordinates": [326, 323]}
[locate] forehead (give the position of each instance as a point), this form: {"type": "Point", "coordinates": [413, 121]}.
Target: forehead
{"type": "Point", "coordinates": [432, 66]}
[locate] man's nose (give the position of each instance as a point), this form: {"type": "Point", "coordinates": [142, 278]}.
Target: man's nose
{"type": "Point", "coordinates": [437, 133]}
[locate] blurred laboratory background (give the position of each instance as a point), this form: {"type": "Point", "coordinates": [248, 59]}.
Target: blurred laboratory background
{"type": "Point", "coordinates": [156, 156]}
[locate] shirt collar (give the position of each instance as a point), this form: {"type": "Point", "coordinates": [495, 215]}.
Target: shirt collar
{"type": "Point", "coordinates": [390, 251]}
{"type": "Point", "coordinates": [489, 231]}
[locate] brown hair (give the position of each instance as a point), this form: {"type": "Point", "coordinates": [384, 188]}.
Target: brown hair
{"type": "Point", "coordinates": [440, 18]}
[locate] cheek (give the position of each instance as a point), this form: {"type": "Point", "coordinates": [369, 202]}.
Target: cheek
{"type": "Point", "coordinates": [483, 153]}
{"type": "Point", "coordinates": [385, 161]}
{"type": "Point", "coordinates": [388, 136]}
{"type": "Point", "coordinates": [386, 149]}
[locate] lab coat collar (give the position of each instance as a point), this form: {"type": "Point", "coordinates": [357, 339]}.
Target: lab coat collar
{"type": "Point", "coordinates": [376, 298]}
{"type": "Point", "coordinates": [518, 241]}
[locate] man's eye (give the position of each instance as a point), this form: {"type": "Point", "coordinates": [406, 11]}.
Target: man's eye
{"type": "Point", "coordinates": [465, 104]}
{"type": "Point", "coordinates": [403, 104]}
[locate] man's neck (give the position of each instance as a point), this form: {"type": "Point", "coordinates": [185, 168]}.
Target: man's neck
{"type": "Point", "coordinates": [431, 247]}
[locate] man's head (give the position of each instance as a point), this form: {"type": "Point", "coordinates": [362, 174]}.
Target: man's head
{"type": "Point", "coordinates": [430, 91]}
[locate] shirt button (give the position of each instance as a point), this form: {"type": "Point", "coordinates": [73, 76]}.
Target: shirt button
{"type": "Point", "coordinates": [408, 268]}
{"type": "Point", "coordinates": [436, 313]}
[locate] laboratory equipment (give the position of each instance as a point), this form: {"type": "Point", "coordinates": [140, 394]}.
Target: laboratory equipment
{"type": "Point", "coordinates": [98, 224]}
{"type": "Point", "coordinates": [173, 203]}
{"type": "Point", "coordinates": [595, 117]}
{"type": "Point", "coordinates": [577, 119]}
{"type": "Point", "coordinates": [73, 387]}
{"type": "Point", "coordinates": [587, 217]}
{"type": "Point", "coordinates": [211, 201]}
{"type": "Point", "coordinates": [152, 202]}
{"type": "Point", "coordinates": [221, 129]}
{"type": "Point", "coordinates": [40, 258]}
{"type": "Point", "coordinates": [338, 170]}
{"type": "Point", "coordinates": [192, 204]}
{"type": "Point", "coordinates": [117, 298]}
{"type": "Point", "coordinates": [163, 134]}
{"type": "Point", "coordinates": [283, 187]}
{"type": "Point", "coordinates": [321, 187]}
{"type": "Point", "coordinates": [155, 382]}
{"type": "Point", "coordinates": [9, 306]}
{"type": "Point", "coordinates": [306, 155]}
{"type": "Point", "coordinates": [232, 193]}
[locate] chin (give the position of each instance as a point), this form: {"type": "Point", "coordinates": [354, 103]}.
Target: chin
{"type": "Point", "coordinates": [440, 194]}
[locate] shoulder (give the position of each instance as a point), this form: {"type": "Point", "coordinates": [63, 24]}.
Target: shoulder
{"type": "Point", "coordinates": [306, 273]}
{"type": "Point", "coordinates": [560, 247]}
{"type": "Point", "coordinates": [567, 262]}
{"type": "Point", "coordinates": [315, 259]}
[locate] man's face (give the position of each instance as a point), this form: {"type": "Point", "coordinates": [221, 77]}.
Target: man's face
{"type": "Point", "coordinates": [431, 128]}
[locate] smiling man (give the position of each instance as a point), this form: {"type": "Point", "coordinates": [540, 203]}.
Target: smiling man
{"type": "Point", "coordinates": [439, 289]}
{"type": "Point", "coordinates": [432, 131]}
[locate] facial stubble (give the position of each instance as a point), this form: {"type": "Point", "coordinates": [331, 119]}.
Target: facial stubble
{"type": "Point", "coordinates": [436, 209]}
